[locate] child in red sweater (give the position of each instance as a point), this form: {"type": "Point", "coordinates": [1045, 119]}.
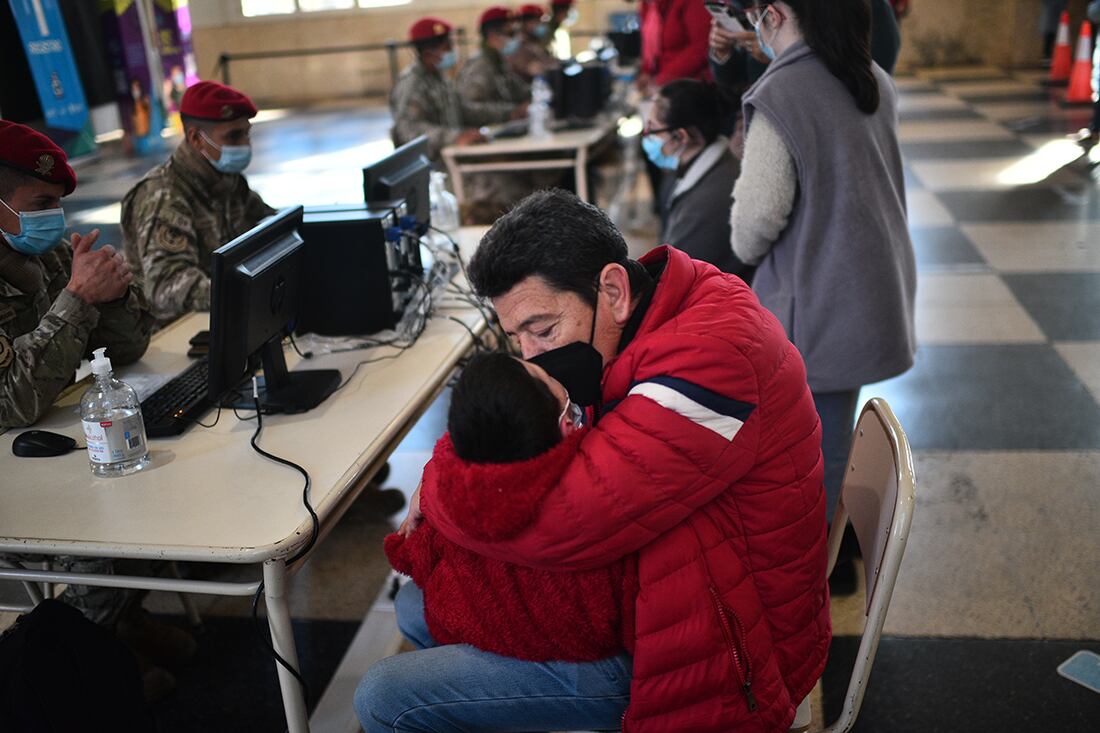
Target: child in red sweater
{"type": "Point", "coordinates": [512, 431]}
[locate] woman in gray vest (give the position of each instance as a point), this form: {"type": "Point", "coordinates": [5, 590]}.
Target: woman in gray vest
{"type": "Point", "coordinates": [820, 205]}
{"type": "Point", "coordinates": [682, 137]}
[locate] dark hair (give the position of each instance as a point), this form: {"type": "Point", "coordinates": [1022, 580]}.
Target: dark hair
{"type": "Point", "coordinates": [495, 26]}
{"type": "Point", "coordinates": [556, 236]}
{"type": "Point", "coordinates": [12, 179]}
{"type": "Point", "coordinates": [430, 44]}
{"type": "Point", "coordinates": [839, 31]}
{"type": "Point", "coordinates": [500, 413]}
{"type": "Point", "coordinates": [188, 122]}
{"type": "Point", "coordinates": [688, 103]}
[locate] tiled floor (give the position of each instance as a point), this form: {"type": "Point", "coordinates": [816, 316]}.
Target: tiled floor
{"type": "Point", "coordinates": [1001, 580]}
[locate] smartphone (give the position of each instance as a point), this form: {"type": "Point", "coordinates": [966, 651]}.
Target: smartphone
{"type": "Point", "coordinates": [726, 16]}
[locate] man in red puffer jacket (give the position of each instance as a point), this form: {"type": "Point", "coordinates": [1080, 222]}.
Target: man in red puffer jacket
{"type": "Point", "coordinates": [703, 458]}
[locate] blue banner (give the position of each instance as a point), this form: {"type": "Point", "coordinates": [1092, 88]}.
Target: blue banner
{"type": "Point", "coordinates": [51, 61]}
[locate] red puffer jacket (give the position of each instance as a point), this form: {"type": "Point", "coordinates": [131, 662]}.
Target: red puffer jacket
{"type": "Point", "coordinates": [707, 463]}
{"type": "Point", "coordinates": [675, 38]}
{"type": "Point", "coordinates": [501, 607]}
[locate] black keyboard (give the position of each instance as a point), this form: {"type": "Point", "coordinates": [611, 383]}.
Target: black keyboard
{"type": "Point", "coordinates": [172, 408]}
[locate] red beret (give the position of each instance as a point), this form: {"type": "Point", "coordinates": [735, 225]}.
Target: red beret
{"type": "Point", "coordinates": [35, 154]}
{"type": "Point", "coordinates": [426, 29]}
{"type": "Point", "coordinates": [561, 3]}
{"type": "Point", "coordinates": [494, 14]}
{"type": "Point", "coordinates": [209, 100]}
{"type": "Point", "coordinates": [530, 11]}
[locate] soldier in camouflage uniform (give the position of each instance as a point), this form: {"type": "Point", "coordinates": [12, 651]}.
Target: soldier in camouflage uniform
{"type": "Point", "coordinates": [424, 101]}
{"type": "Point", "coordinates": [533, 57]}
{"type": "Point", "coordinates": [487, 82]}
{"type": "Point", "coordinates": [58, 301]}
{"type": "Point", "coordinates": [184, 209]}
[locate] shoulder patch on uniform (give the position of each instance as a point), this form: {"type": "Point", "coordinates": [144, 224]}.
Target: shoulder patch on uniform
{"type": "Point", "coordinates": [7, 353]}
{"type": "Point", "coordinates": [169, 238]}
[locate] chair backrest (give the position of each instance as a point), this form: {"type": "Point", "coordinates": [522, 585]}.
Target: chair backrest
{"type": "Point", "coordinates": [878, 498]}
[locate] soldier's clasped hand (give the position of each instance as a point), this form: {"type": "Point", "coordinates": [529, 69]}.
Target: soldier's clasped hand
{"type": "Point", "coordinates": [98, 276]}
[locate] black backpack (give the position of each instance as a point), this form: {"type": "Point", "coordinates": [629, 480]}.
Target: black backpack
{"type": "Point", "coordinates": [61, 672]}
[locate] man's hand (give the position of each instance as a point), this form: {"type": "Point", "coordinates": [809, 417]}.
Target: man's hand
{"type": "Point", "coordinates": [100, 276]}
{"type": "Point", "coordinates": [469, 137]}
{"type": "Point", "coordinates": [520, 112]}
{"type": "Point", "coordinates": [414, 517]}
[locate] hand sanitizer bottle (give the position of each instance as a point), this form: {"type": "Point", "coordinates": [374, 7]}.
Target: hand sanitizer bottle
{"type": "Point", "coordinates": [113, 427]}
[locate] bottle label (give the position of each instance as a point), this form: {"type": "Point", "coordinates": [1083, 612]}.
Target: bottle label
{"type": "Point", "coordinates": [115, 441]}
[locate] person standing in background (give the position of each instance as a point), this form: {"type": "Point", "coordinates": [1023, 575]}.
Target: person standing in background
{"type": "Point", "coordinates": [820, 205]}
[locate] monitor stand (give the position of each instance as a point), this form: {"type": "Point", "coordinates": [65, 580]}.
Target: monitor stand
{"type": "Point", "coordinates": [290, 392]}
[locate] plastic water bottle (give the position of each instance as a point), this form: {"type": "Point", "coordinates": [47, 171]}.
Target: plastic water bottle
{"type": "Point", "coordinates": [444, 204]}
{"type": "Point", "coordinates": [113, 427]}
{"type": "Point", "coordinates": [538, 113]}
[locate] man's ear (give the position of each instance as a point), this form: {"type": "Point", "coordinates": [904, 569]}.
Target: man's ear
{"type": "Point", "coordinates": [615, 292]}
{"type": "Point", "coordinates": [193, 138]}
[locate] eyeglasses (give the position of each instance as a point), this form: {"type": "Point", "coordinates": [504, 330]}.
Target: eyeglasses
{"type": "Point", "coordinates": [658, 130]}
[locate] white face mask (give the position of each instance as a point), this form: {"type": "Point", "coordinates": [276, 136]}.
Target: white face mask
{"type": "Point", "coordinates": [234, 158]}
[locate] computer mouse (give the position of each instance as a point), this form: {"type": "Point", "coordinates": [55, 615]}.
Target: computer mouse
{"type": "Point", "coordinates": [41, 444]}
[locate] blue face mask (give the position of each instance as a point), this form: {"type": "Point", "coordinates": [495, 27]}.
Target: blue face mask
{"type": "Point", "coordinates": [541, 30]}
{"type": "Point", "coordinates": [511, 47]}
{"type": "Point", "coordinates": [448, 60]}
{"type": "Point", "coordinates": [768, 50]}
{"type": "Point", "coordinates": [39, 231]}
{"type": "Point", "coordinates": [234, 158]}
{"type": "Point", "coordinates": [652, 145]}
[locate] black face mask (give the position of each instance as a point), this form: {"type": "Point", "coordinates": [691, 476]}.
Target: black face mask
{"type": "Point", "coordinates": [579, 368]}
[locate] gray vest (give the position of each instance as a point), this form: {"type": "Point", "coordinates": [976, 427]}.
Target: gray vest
{"type": "Point", "coordinates": [841, 278]}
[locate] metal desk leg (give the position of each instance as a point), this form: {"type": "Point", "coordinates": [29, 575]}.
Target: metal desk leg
{"type": "Point", "coordinates": [456, 178]}
{"type": "Point", "coordinates": [581, 172]}
{"type": "Point", "coordinates": [282, 636]}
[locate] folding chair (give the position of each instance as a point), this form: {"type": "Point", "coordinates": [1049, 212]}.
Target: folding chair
{"type": "Point", "coordinates": [878, 498]}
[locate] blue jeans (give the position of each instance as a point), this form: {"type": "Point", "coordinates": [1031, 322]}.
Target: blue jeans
{"type": "Point", "coordinates": [837, 411]}
{"type": "Point", "coordinates": [454, 688]}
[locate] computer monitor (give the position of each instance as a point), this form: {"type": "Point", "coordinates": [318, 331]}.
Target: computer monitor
{"type": "Point", "coordinates": [581, 91]}
{"type": "Point", "coordinates": [256, 293]}
{"type": "Point", "coordinates": [403, 174]}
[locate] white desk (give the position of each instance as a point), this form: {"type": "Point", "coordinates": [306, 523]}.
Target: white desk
{"type": "Point", "coordinates": [208, 496]}
{"type": "Point", "coordinates": [556, 151]}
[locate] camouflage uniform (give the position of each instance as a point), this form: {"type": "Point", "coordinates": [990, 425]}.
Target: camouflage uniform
{"type": "Point", "coordinates": [425, 102]}
{"type": "Point", "coordinates": [173, 218]}
{"type": "Point", "coordinates": [487, 84]}
{"type": "Point", "coordinates": [44, 332]}
{"type": "Point", "coordinates": [532, 52]}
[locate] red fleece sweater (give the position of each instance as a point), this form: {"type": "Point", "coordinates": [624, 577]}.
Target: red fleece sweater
{"type": "Point", "coordinates": [507, 609]}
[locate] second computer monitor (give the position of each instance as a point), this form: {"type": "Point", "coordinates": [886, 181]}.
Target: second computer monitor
{"type": "Point", "coordinates": [403, 174]}
{"type": "Point", "coordinates": [256, 295]}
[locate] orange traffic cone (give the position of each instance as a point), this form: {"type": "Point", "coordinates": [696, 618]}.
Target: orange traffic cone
{"type": "Point", "coordinates": [1080, 83]}
{"type": "Point", "coordinates": [1061, 63]}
